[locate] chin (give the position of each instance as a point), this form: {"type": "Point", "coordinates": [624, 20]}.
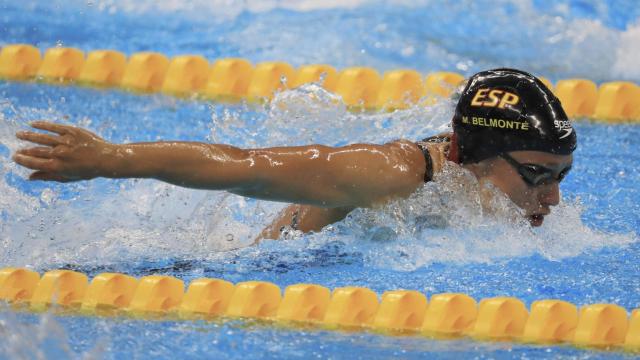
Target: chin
{"type": "Point", "coordinates": [536, 220]}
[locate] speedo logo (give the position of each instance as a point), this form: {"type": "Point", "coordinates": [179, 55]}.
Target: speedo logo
{"type": "Point", "coordinates": [494, 98]}
{"type": "Point", "coordinates": [564, 126]}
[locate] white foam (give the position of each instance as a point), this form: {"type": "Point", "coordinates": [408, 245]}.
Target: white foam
{"type": "Point", "coordinates": [216, 9]}
{"type": "Point", "coordinates": [628, 54]}
{"type": "Point", "coordinates": [44, 339]}
{"type": "Point", "coordinates": [551, 42]}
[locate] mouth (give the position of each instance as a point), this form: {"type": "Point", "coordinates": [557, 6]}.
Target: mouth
{"type": "Point", "coordinates": [536, 219]}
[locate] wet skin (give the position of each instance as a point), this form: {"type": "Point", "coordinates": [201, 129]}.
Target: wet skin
{"type": "Point", "coordinates": [324, 183]}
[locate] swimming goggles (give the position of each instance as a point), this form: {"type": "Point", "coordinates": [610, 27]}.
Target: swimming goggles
{"type": "Point", "coordinates": [533, 174]}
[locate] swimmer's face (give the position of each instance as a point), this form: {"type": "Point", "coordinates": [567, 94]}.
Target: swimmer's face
{"type": "Point", "coordinates": [536, 201]}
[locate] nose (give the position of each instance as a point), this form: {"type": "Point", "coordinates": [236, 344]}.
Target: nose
{"type": "Point", "coordinates": [550, 196]}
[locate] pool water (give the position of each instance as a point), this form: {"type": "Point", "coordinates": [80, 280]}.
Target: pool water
{"type": "Point", "coordinates": [585, 253]}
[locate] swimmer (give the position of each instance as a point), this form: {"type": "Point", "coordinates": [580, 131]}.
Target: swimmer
{"type": "Point", "coordinates": [508, 130]}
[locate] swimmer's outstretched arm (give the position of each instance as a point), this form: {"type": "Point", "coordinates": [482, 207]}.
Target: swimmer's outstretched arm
{"type": "Point", "coordinates": [353, 175]}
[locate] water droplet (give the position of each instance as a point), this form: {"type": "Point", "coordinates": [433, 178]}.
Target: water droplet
{"type": "Point", "coordinates": [283, 80]}
{"type": "Point", "coordinates": [408, 51]}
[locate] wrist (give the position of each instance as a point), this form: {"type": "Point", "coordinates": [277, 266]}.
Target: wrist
{"type": "Point", "coordinates": [114, 159]}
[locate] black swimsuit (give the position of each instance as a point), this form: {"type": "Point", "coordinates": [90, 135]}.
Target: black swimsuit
{"type": "Point", "coordinates": [422, 144]}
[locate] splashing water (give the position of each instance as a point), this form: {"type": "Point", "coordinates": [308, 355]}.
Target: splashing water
{"type": "Point", "coordinates": [105, 221]}
{"type": "Point", "coordinates": [557, 39]}
{"type": "Point", "coordinates": [445, 221]}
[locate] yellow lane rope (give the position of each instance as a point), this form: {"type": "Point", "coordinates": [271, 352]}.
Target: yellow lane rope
{"type": "Point", "coordinates": [448, 315]}
{"type": "Point", "coordinates": [234, 79]}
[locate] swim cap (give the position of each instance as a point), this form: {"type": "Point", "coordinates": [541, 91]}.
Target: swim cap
{"type": "Point", "coordinates": [504, 110]}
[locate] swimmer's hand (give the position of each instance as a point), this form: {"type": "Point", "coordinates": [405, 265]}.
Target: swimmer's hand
{"type": "Point", "coordinates": [71, 154]}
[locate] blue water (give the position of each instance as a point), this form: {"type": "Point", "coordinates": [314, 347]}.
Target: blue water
{"type": "Point", "coordinates": [586, 253]}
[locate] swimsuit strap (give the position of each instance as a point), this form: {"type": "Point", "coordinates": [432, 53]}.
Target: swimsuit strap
{"type": "Point", "coordinates": [422, 144]}
{"type": "Point", "coordinates": [428, 174]}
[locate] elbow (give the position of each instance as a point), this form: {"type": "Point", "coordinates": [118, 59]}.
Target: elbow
{"type": "Point", "coordinates": [222, 167]}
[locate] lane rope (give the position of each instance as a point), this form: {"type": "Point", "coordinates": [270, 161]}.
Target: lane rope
{"type": "Point", "coordinates": [236, 79]}
{"type": "Point", "coordinates": [447, 315]}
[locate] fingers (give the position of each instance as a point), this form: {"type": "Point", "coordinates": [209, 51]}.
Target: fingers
{"type": "Point", "coordinates": [56, 128]}
{"type": "Point", "coordinates": [38, 151]}
{"type": "Point", "coordinates": [46, 169]}
{"type": "Point", "coordinates": [47, 176]}
{"type": "Point", "coordinates": [35, 163]}
{"type": "Point", "coordinates": [38, 138]}
{"type": "Point", "coordinates": [65, 132]}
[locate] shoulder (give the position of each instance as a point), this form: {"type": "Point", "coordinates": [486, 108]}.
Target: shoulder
{"type": "Point", "coordinates": [408, 158]}
{"type": "Point", "coordinates": [405, 149]}
{"type": "Point", "coordinates": [438, 149]}
{"type": "Point", "coordinates": [444, 138]}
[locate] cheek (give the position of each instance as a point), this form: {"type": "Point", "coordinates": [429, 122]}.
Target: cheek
{"type": "Point", "coordinates": [526, 197]}
{"type": "Point", "coordinates": [516, 190]}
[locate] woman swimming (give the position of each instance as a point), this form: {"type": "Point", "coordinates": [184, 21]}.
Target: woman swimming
{"type": "Point", "coordinates": [508, 129]}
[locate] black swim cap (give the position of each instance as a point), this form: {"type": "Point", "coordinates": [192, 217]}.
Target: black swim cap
{"type": "Point", "coordinates": [506, 110]}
